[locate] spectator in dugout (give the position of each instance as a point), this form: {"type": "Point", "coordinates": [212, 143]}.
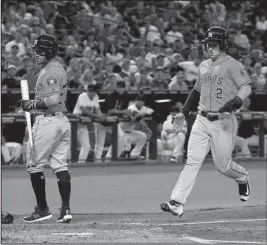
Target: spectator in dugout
{"type": "Point", "coordinates": [248, 131]}
{"type": "Point", "coordinates": [240, 144]}
{"type": "Point", "coordinates": [10, 152]}
{"type": "Point", "coordinates": [87, 105]}
{"type": "Point", "coordinates": [12, 140]}
{"type": "Point", "coordinates": [136, 138]}
{"type": "Point", "coordinates": [141, 106]}
{"type": "Point", "coordinates": [171, 139]}
{"type": "Point", "coordinates": [116, 104]}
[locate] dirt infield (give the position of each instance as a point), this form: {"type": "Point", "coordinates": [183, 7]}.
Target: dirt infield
{"type": "Point", "coordinates": [243, 225]}
{"type": "Point", "coordinates": [121, 205]}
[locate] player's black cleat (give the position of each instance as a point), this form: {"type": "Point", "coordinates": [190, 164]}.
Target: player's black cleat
{"type": "Point", "coordinates": [244, 191]}
{"type": "Point", "coordinates": [172, 207]}
{"type": "Point", "coordinates": [65, 215]}
{"type": "Point", "coordinates": [38, 215]}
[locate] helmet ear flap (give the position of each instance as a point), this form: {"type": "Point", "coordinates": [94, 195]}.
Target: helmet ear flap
{"type": "Point", "coordinates": [49, 54]}
{"type": "Point", "coordinates": [224, 45]}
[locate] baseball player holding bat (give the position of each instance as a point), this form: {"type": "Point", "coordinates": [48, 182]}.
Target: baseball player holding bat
{"type": "Point", "coordinates": [51, 130]}
{"type": "Point", "coordinates": [222, 85]}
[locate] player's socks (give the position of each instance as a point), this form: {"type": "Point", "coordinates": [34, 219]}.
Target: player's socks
{"type": "Point", "coordinates": [38, 185]}
{"type": "Point", "coordinates": [64, 186]}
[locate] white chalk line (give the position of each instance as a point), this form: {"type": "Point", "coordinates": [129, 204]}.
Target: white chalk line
{"type": "Point", "coordinates": [168, 224]}
{"type": "Point", "coordinates": [190, 223]}
{"type": "Point", "coordinates": [208, 241]}
{"type": "Point", "coordinates": [74, 233]}
{"type": "Point", "coordinates": [215, 222]}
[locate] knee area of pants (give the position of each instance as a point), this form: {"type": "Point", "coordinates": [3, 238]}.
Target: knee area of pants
{"type": "Point", "coordinates": [192, 164]}
{"type": "Point", "coordinates": [242, 142]}
{"type": "Point", "coordinates": [193, 160]}
{"type": "Point", "coordinates": [35, 175]}
{"type": "Point", "coordinates": [63, 176]}
{"type": "Point", "coordinates": [223, 170]}
{"type": "Point", "coordinates": [159, 145]}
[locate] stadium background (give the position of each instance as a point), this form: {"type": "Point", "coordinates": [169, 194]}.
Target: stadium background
{"type": "Point", "coordinates": [148, 44]}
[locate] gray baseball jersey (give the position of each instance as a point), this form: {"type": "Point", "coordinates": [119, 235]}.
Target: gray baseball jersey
{"type": "Point", "coordinates": [219, 82]}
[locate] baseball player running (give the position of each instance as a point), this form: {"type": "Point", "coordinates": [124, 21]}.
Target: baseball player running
{"type": "Point", "coordinates": [87, 105]}
{"type": "Point", "coordinates": [222, 85]}
{"type": "Point", "coordinates": [51, 130]}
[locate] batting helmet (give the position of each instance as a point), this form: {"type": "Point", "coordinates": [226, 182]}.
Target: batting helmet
{"type": "Point", "coordinates": [47, 44]}
{"type": "Point", "coordinates": [217, 34]}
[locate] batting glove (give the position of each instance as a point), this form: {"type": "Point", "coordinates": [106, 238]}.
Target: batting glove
{"type": "Point", "coordinates": [29, 105]}
{"type": "Point", "coordinates": [231, 105]}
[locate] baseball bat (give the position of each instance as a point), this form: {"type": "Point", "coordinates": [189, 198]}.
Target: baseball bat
{"type": "Point", "coordinates": [25, 96]}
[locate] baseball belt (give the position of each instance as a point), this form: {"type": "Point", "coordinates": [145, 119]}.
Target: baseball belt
{"type": "Point", "coordinates": [211, 116]}
{"type": "Point", "coordinates": [53, 114]}
{"type": "Point", "coordinates": [57, 113]}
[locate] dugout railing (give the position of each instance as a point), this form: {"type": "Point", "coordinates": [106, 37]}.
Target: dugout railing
{"type": "Point", "coordinates": [261, 117]}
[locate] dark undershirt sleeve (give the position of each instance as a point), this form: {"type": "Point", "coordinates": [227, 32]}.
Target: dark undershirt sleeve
{"type": "Point", "coordinates": [192, 98]}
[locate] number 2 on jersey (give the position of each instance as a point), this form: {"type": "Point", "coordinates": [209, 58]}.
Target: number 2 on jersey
{"type": "Point", "coordinates": [219, 93]}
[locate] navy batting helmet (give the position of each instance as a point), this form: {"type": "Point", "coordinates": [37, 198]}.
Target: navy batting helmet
{"type": "Point", "coordinates": [47, 44]}
{"type": "Point", "coordinates": [217, 34]}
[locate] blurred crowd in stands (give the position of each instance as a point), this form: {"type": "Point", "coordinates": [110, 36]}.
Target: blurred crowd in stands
{"type": "Point", "coordinates": [148, 44]}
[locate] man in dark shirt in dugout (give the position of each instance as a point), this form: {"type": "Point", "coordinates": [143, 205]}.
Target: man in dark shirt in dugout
{"type": "Point", "coordinates": [116, 104]}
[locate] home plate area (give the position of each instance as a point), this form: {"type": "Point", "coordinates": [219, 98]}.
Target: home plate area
{"type": "Point", "coordinates": [246, 225]}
